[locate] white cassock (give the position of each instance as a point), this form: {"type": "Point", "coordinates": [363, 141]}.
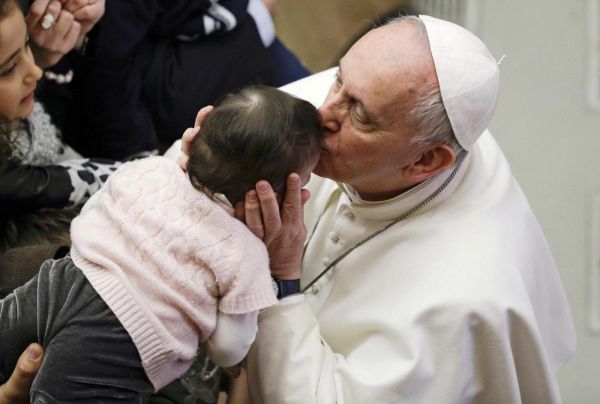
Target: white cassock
{"type": "Point", "coordinates": [460, 302]}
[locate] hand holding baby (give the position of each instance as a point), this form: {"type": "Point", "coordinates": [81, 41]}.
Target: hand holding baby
{"type": "Point", "coordinates": [16, 389]}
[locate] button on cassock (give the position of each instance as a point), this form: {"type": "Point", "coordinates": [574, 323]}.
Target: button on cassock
{"type": "Point", "coordinates": [348, 213]}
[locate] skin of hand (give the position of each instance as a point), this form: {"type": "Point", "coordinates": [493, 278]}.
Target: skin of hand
{"type": "Point", "coordinates": [16, 389]}
{"type": "Point", "coordinates": [50, 45]}
{"type": "Point", "coordinates": [282, 230]}
{"type": "Point", "coordinates": [238, 389]}
{"type": "Point", "coordinates": [86, 12]}
{"type": "Point", "coordinates": [189, 135]}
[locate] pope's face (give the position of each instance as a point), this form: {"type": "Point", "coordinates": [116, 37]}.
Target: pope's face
{"type": "Point", "coordinates": [367, 136]}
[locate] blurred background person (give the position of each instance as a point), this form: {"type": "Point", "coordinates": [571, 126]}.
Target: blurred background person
{"type": "Point", "coordinates": [144, 70]}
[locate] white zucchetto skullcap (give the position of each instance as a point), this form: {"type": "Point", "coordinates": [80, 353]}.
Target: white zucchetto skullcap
{"type": "Point", "coordinates": [468, 76]}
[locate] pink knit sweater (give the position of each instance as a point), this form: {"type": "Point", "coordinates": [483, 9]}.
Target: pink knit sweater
{"type": "Point", "coordinates": [165, 258]}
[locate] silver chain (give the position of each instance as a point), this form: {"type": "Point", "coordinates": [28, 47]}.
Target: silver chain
{"type": "Point", "coordinates": [380, 230]}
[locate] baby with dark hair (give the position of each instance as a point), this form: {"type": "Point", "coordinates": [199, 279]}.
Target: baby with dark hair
{"type": "Point", "coordinates": [159, 264]}
{"type": "Point", "coordinates": [256, 133]}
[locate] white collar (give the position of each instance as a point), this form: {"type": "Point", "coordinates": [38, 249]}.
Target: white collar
{"type": "Point", "coordinates": [391, 208]}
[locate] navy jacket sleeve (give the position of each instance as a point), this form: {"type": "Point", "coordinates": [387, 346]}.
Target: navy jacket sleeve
{"type": "Point", "coordinates": [200, 17]}
{"type": "Point", "coordinates": [114, 117]}
{"type": "Point", "coordinates": [118, 53]}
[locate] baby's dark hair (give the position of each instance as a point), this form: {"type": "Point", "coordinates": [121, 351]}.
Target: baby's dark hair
{"type": "Point", "coordinates": [257, 133]}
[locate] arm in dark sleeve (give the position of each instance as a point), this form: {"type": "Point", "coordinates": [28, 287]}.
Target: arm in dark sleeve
{"type": "Point", "coordinates": [25, 187]}
{"type": "Point", "coordinates": [66, 184]}
{"type": "Point", "coordinates": [114, 121]}
{"type": "Point", "coordinates": [195, 19]}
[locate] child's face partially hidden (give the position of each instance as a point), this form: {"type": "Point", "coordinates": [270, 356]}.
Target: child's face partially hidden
{"type": "Point", "coordinates": [18, 71]}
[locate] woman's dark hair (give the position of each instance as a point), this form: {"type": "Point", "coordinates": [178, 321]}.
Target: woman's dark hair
{"type": "Point", "coordinates": [257, 133]}
{"type": "Point", "coordinates": [8, 6]}
{"type": "Point", "coordinates": [6, 126]}
{"type": "Point", "coordinates": [6, 129]}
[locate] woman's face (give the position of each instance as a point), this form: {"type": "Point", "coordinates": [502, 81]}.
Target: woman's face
{"type": "Point", "coordinates": [18, 71]}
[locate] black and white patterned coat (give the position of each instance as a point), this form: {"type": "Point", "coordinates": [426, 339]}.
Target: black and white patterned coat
{"type": "Point", "coordinates": [43, 172]}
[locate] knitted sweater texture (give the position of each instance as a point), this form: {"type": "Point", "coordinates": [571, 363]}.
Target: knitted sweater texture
{"type": "Point", "coordinates": [165, 258]}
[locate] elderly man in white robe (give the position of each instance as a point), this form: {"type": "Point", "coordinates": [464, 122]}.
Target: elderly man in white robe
{"type": "Point", "coordinates": [425, 276]}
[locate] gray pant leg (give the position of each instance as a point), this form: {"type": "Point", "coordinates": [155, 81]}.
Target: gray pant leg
{"type": "Point", "coordinates": [89, 357]}
{"type": "Point", "coordinates": [18, 326]}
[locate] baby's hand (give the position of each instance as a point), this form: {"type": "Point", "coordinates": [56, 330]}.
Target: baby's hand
{"type": "Point", "coordinates": [186, 142]}
{"type": "Point", "coordinates": [189, 135]}
{"type": "Point", "coordinates": [202, 114]}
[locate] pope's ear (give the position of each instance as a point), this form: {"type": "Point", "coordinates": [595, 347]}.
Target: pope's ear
{"type": "Point", "coordinates": [430, 162]}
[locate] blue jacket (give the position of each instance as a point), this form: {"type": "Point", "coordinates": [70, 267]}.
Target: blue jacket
{"type": "Point", "coordinates": [149, 65]}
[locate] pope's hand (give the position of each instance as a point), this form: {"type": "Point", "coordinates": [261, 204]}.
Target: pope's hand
{"type": "Point", "coordinates": [282, 230]}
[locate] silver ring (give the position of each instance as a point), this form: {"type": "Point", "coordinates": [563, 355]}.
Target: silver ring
{"type": "Point", "coordinates": [48, 20]}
